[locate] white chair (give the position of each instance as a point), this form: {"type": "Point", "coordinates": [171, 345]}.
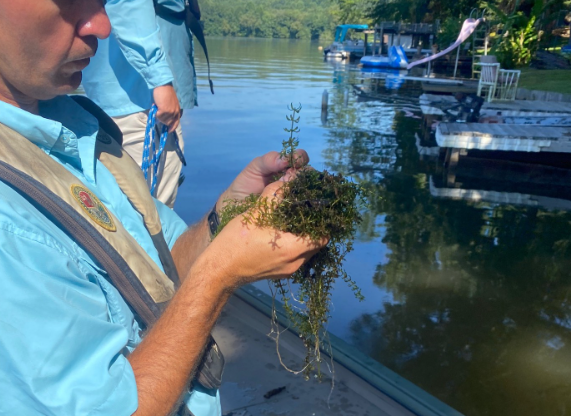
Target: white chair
{"type": "Point", "coordinates": [483, 59]}
{"type": "Point", "coordinates": [506, 87]}
{"type": "Point", "coordinates": [488, 80]}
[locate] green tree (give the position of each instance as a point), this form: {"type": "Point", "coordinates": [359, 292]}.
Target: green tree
{"type": "Point", "coordinates": [294, 19]}
{"type": "Point", "coordinates": [353, 11]}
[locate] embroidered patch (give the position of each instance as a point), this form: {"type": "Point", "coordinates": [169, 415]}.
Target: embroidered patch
{"type": "Point", "coordinates": [93, 207]}
{"type": "Point", "coordinates": [104, 137]}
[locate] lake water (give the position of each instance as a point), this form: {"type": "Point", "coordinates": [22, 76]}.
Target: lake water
{"type": "Point", "coordinates": [467, 299]}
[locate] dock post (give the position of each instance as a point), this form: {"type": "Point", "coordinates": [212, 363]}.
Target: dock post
{"type": "Point", "coordinates": [324, 100]}
{"type": "Point", "coordinates": [373, 53]}
{"type": "Point", "coordinates": [450, 162]}
{"type": "Point", "coordinates": [453, 157]}
{"type": "Point", "coordinates": [382, 41]}
{"type": "Point", "coordinates": [450, 179]}
{"type": "Point", "coordinates": [324, 104]}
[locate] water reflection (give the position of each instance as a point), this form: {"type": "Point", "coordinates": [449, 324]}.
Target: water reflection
{"type": "Point", "coordinates": [466, 297]}
{"type": "Point", "coordinates": [480, 313]}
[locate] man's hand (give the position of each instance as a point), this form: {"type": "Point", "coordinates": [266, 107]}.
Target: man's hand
{"type": "Point", "coordinates": [241, 253]}
{"type": "Point", "coordinates": [168, 106]}
{"type": "Point", "coordinates": [258, 174]}
{"type": "Point", "coordinates": [252, 180]}
{"type": "Point", "coordinates": [246, 253]}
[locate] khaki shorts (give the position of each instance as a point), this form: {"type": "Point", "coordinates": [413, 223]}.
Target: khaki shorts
{"type": "Point", "coordinates": [133, 127]}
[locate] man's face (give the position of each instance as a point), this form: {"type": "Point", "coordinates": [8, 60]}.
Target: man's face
{"type": "Point", "coordinates": [45, 44]}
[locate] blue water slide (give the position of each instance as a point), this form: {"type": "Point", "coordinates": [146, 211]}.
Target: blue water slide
{"type": "Point", "coordinates": [397, 57]}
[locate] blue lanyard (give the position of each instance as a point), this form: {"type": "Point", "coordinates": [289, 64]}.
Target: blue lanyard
{"type": "Point", "coordinates": [152, 155]}
{"type": "Point", "coordinates": [150, 148]}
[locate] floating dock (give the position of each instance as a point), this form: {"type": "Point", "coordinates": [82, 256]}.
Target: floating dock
{"type": "Point", "coordinates": [504, 137]}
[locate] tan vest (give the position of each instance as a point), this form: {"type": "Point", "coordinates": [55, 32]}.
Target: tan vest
{"type": "Point", "coordinates": [145, 287]}
{"type": "Point", "coordinates": [69, 203]}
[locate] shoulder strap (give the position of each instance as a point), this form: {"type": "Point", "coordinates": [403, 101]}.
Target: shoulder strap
{"type": "Point", "coordinates": [129, 178]}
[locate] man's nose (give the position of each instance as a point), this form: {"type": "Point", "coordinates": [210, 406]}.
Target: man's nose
{"type": "Point", "coordinates": [95, 23]}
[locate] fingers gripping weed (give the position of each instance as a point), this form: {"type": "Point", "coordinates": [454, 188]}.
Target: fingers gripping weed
{"type": "Point", "coordinates": [314, 205]}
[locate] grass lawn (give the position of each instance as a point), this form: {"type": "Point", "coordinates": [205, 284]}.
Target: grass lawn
{"type": "Point", "coordinates": [557, 80]}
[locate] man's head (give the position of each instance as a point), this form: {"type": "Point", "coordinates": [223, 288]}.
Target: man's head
{"type": "Point", "coordinates": [45, 44]}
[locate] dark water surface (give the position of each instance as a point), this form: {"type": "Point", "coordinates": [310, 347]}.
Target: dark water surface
{"type": "Point", "coordinates": [468, 300]}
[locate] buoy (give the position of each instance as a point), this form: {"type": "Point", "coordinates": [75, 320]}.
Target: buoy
{"type": "Point", "coordinates": [320, 48]}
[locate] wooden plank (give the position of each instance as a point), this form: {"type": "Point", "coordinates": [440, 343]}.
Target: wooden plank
{"type": "Point", "coordinates": [507, 130]}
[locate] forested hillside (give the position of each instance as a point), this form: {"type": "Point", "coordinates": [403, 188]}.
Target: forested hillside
{"type": "Point", "coordinates": [524, 25]}
{"type": "Point", "coordinates": [297, 19]}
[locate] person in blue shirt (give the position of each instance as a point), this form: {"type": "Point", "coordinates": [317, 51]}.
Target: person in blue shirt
{"type": "Point", "coordinates": [147, 58]}
{"type": "Point", "coordinates": [69, 343]}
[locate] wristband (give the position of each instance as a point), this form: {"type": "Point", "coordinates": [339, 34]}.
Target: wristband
{"type": "Point", "coordinates": [213, 221]}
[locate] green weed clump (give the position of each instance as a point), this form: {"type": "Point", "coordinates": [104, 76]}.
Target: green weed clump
{"type": "Point", "coordinates": [315, 205]}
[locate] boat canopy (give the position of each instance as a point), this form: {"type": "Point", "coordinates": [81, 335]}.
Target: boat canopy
{"type": "Point", "coordinates": [342, 30]}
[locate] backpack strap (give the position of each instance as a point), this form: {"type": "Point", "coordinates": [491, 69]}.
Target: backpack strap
{"type": "Point", "coordinates": [195, 26]}
{"type": "Point", "coordinates": [191, 16]}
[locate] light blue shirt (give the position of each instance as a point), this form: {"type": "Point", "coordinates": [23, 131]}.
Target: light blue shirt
{"type": "Point", "coordinates": [179, 48]}
{"type": "Point", "coordinates": [138, 57]}
{"type": "Point", "coordinates": [65, 331]}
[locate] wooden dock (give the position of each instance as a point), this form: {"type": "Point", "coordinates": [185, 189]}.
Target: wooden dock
{"type": "Point", "coordinates": [504, 137]}
{"type": "Point", "coordinates": [432, 104]}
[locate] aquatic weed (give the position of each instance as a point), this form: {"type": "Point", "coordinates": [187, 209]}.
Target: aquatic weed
{"type": "Point", "coordinates": [315, 205]}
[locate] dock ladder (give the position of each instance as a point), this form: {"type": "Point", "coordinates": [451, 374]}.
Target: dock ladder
{"type": "Point", "coordinates": [480, 43]}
